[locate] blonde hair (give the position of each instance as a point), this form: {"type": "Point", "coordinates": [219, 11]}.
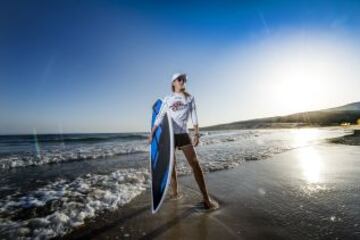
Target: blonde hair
{"type": "Point", "coordinates": [185, 92]}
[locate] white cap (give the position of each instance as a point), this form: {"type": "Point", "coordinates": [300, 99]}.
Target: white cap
{"type": "Point", "coordinates": [177, 75]}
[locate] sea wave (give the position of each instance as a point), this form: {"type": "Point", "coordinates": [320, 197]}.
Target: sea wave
{"type": "Point", "coordinates": [62, 155]}
{"type": "Point", "coordinates": [50, 154]}
{"type": "Point", "coordinates": [70, 138]}
{"type": "Point", "coordinates": [252, 139]}
{"type": "Point", "coordinates": [61, 206]}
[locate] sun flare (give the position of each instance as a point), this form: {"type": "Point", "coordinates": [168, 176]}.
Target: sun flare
{"type": "Point", "coordinates": [301, 72]}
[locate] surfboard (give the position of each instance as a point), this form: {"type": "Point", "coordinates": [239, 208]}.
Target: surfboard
{"type": "Point", "coordinates": [161, 157]}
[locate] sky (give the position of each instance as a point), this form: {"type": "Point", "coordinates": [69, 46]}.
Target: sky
{"type": "Point", "coordinates": [98, 66]}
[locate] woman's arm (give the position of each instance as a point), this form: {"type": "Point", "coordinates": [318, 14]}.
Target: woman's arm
{"type": "Point", "coordinates": [163, 109]}
{"type": "Point", "coordinates": [158, 119]}
{"type": "Point", "coordinates": [194, 119]}
{"type": "Point", "coordinates": [193, 112]}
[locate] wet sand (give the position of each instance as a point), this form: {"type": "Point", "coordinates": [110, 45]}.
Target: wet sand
{"type": "Point", "coordinates": [353, 139]}
{"type": "Point", "coordinates": [307, 193]}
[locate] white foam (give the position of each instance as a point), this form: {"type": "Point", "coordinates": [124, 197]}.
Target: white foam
{"type": "Point", "coordinates": [227, 149]}
{"type": "Point", "coordinates": [77, 201]}
{"type": "Point", "coordinates": [61, 153]}
{"type": "Point", "coordinates": [275, 139]}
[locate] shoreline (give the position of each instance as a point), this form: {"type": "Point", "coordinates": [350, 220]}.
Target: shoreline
{"type": "Point", "coordinates": [209, 168]}
{"type": "Point", "coordinates": [352, 139]}
{"type": "Point", "coordinates": [259, 200]}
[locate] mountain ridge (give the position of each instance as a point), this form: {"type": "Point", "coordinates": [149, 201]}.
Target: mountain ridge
{"type": "Point", "coordinates": [346, 114]}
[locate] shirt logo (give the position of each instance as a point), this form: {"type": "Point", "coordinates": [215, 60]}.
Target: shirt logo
{"type": "Point", "coordinates": [178, 105]}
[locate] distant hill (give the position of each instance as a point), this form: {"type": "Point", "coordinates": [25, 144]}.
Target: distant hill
{"type": "Point", "coordinates": [349, 113]}
{"type": "Point", "coordinates": [348, 107]}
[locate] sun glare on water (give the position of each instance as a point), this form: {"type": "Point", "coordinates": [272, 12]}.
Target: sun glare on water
{"type": "Point", "coordinates": [309, 159]}
{"type": "Point", "coordinates": [311, 164]}
{"type": "Point", "coordinates": [303, 137]}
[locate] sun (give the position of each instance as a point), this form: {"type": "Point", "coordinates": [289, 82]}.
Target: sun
{"type": "Point", "coordinates": [301, 75]}
{"type": "Point", "coordinates": [298, 83]}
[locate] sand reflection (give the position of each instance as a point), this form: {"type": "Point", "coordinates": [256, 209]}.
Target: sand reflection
{"type": "Point", "coordinates": [311, 164]}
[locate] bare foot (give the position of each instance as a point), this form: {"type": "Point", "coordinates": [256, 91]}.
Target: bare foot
{"type": "Point", "coordinates": [211, 204]}
{"type": "Point", "coordinates": [176, 196]}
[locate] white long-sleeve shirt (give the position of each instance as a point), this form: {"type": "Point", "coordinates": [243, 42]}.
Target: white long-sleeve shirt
{"type": "Point", "coordinates": [180, 108]}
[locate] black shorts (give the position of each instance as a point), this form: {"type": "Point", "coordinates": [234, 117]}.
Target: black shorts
{"type": "Point", "coordinates": [181, 140]}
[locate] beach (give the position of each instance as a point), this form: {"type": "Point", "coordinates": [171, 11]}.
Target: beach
{"type": "Point", "coordinates": [99, 99]}
{"type": "Point", "coordinates": [271, 184]}
{"type": "Point", "coordinates": [352, 139]}
{"type": "Point", "coordinates": [310, 192]}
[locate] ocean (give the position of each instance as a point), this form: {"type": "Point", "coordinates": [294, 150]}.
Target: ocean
{"type": "Point", "coordinates": [52, 183]}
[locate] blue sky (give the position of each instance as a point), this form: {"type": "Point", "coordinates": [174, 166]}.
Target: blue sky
{"type": "Point", "coordinates": [97, 66]}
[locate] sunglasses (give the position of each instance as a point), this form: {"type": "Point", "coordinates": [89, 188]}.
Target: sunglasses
{"type": "Point", "coordinates": [181, 79]}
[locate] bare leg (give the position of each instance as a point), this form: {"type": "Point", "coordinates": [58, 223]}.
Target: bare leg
{"type": "Point", "coordinates": [174, 184]}
{"type": "Point", "coordinates": [199, 176]}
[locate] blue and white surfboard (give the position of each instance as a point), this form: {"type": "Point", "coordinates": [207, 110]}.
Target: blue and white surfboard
{"type": "Point", "coordinates": [161, 157]}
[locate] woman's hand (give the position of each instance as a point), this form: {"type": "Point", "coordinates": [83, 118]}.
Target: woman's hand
{"type": "Point", "coordinates": [196, 140]}
{"type": "Point", "coordinates": [149, 139]}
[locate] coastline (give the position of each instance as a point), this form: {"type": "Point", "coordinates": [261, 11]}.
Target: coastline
{"type": "Point", "coordinates": [92, 188]}
{"type": "Point", "coordinates": [353, 139]}
{"type": "Point", "coordinates": [273, 199]}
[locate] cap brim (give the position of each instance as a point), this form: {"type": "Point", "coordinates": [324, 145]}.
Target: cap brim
{"type": "Point", "coordinates": [182, 75]}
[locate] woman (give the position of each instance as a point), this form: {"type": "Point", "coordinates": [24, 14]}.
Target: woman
{"type": "Point", "coordinates": [181, 105]}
